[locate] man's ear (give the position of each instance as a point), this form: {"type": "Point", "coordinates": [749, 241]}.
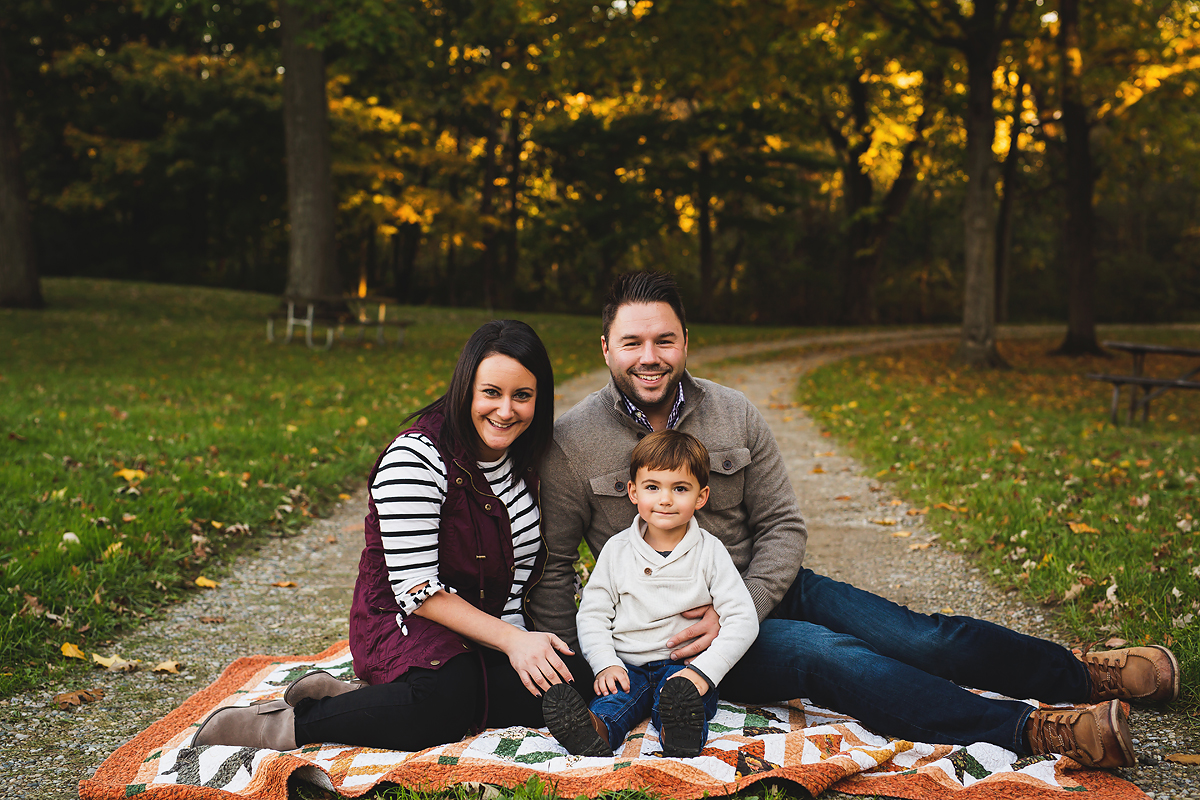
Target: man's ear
{"type": "Point", "coordinates": [603, 346]}
{"type": "Point", "coordinates": [703, 498]}
{"type": "Point", "coordinates": [631, 490]}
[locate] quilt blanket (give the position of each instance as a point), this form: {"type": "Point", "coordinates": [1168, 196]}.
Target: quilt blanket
{"type": "Point", "coordinates": [793, 741]}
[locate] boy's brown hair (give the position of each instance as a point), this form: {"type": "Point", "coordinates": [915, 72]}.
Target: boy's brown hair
{"type": "Point", "coordinates": [671, 449]}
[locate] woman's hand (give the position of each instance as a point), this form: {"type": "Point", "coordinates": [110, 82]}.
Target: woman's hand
{"type": "Point", "coordinates": [533, 655]}
{"type": "Point", "coordinates": [611, 680]}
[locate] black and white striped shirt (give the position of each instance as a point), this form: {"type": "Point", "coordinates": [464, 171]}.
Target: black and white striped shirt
{"type": "Point", "coordinates": [409, 489]}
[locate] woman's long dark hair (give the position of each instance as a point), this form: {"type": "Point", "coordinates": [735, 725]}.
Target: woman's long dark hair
{"type": "Point", "coordinates": [506, 337]}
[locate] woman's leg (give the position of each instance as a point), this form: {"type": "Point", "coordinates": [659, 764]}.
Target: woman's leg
{"type": "Point", "coordinates": [510, 703]}
{"type": "Point", "coordinates": [421, 708]}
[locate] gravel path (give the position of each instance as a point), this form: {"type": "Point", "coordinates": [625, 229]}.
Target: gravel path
{"type": "Point", "coordinates": [45, 752]}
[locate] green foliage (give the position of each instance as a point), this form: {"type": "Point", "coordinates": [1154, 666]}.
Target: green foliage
{"type": "Point", "coordinates": [1023, 470]}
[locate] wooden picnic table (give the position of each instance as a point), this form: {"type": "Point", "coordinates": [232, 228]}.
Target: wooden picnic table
{"type": "Point", "coordinates": [336, 313]}
{"type": "Point", "coordinates": [1151, 387]}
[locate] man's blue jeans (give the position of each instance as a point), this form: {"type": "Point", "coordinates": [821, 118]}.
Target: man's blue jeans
{"type": "Point", "coordinates": [899, 672]}
{"type": "Point", "coordinates": [623, 711]}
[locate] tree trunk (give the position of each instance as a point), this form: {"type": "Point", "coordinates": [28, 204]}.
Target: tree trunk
{"type": "Point", "coordinates": [977, 347]}
{"type": "Point", "coordinates": [487, 258]}
{"type": "Point", "coordinates": [707, 275]}
{"type": "Point", "coordinates": [858, 298]}
{"type": "Point", "coordinates": [20, 286]}
{"type": "Point", "coordinates": [1078, 252]}
{"type": "Point", "coordinates": [1008, 193]}
{"type": "Point", "coordinates": [507, 293]}
{"type": "Point", "coordinates": [312, 262]}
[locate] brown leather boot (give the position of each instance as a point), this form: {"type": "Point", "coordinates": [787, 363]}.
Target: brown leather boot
{"type": "Point", "coordinates": [315, 685]}
{"type": "Point", "coordinates": [1149, 674]}
{"type": "Point", "coordinates": [1095, 736]}
{"type": "Point", "coordinates": [267, 726]}
{"type": "Point", "coordinates": [573, 724]}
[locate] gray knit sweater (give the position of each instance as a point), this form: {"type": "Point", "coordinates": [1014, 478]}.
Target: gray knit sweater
{"type": "Point", "coordinates": [751, 509]}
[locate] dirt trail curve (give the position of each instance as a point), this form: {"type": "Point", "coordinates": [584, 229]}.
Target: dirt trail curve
{"type": "Point", "coordinates": [45, 752]}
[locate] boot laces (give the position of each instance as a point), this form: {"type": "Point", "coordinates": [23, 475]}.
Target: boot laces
{"type": "Point", "coordinates": [1054, 733]}
{"type": "Point", "coordinates": [1103, 671]}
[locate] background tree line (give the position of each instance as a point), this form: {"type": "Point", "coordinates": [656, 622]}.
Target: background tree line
{"type": "Point", "coordinates": [804, 163]}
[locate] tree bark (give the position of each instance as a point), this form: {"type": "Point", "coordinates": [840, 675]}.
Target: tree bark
{"type": "Point", "coordinates": [312, 257]}
{"type": "Point", "coordinates": [1008, 193]}
{"type": "Point", "coordinates": [977, 347]}
{"type": "Point", "coordinates": [707, 275]}
{"type": "Point", "coordinates": [20, 286]}
{"type": "Point", "coordinates": [1078, 252]}
{"type": "Point", "coordinates": [512, 248]}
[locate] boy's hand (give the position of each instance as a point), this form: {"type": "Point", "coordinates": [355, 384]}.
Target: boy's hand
{"type": "Point", "coordinates": [610, 680]}
{"type": "Point", "coordinates": [704, 632]}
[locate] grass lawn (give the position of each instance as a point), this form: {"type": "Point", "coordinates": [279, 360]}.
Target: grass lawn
{"type": "Point", "coordinates": [1023, 469]}
{"type": "Point", "coordinates": [145, 429]}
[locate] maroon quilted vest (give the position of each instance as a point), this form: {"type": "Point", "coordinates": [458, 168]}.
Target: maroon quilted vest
{"type": "Point", "coordinates": [475, 557]}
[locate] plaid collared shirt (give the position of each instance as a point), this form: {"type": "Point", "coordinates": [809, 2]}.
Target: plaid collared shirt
{"type": "Point", "coordinates": [640, 416]}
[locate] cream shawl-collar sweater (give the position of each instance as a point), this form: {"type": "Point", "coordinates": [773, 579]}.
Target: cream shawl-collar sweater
{"type": "Point", "coordinates": [635, 599]}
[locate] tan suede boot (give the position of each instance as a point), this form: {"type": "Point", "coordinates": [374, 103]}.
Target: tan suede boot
{"type": "Point", "coordinates": [267, 726]}
{"type": "Point", "coordinates": [1095, 736]}
{"type": "Point", "coordinates": [1148, 674]}
{"type": "Point", "coordinates": [315, 685]}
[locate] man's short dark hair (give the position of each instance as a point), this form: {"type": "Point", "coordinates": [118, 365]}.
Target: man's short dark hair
{"type": "Point", "coordinates": [642, 287]}
{"type": "Point", "coordinates": [671, 449]}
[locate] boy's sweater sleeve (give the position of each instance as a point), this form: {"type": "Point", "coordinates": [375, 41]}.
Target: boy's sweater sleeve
{"type": "Point", "coordinates": [734, 607]}
{"type": "Point", "coordinates": [597, 609]}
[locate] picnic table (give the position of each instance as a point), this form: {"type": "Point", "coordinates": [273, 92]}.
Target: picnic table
{"type": "Point", "coordinates": [336, 313]}
{"type": "Point", "coordinates": [1150, 387]}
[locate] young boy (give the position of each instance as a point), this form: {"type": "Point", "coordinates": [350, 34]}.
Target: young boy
{"type": "Point", "coordinates": [646, 577]}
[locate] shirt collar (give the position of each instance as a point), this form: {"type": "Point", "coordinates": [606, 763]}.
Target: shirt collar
{"type": "Point", "coordinates": [639, 416]}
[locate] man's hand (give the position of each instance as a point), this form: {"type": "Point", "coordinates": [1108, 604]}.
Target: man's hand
{"type": "Point", "coordinates": [703, 632]}
{"type": "Point", "coordinates": [533, 656]}
{"type": "Point", "coordinates": [610, 680]}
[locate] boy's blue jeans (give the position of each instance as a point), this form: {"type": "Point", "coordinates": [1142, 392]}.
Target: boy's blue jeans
{"type": "Point", "coordinates": [623, 711]}
{"type": "Point", "coordinates": [899, 672]}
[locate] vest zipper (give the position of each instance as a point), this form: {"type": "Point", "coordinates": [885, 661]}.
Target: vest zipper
{"type": "Point", "coordinates": [479, 543]}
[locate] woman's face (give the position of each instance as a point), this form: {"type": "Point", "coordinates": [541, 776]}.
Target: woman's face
{"type": "Point", "coordinates": [502, 403]}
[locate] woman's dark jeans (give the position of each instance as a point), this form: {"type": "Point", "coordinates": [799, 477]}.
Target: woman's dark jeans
{"type": "Point", "coordinates": [427, 707]}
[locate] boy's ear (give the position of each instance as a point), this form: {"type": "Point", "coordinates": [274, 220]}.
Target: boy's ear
{"type": "Point", "coordinates": [703, 498]}
{"type": "Point", "coordinates": [631, 489]}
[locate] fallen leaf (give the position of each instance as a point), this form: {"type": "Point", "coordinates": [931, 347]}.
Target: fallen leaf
{"type": "Point", "coordinates": [130, 475]}
{"type": "Point", "coordinates": [205, 583]}
{"type": "Point", "coordinates": [285, 584]}
{"type": "Point", "coordinates": [111, 550]}
{"type": "Point", "coordinates": [818, 470]}
{"type": "Point", "coordinates": [884, 521]}
{"type": "Point", "coordinates": [68, 699]}
{"type": "Point", "coordinates": [212, 620]}
{"type": "Point", "coordinates": [343, 496]}
{"type": "Point", "coordinates": [167, 666]}
{"type": "Point", "coordinates": [128, 517]}
{"type": "Point", "coordinates": [361, 422]}
{"type": "Point", "coordinates": [115, 663]}
{"type": "Point", "coordinates": [1017, 449]}
{"type": "Point", "coordinates": [919, 546]}
{"type": "Point", "coordinates": [331, 539]}
{"type": "Point", "coordinates": [897, 501]}
{"type": "Point", "coordinates": [71, 651]}
{"type": "Point", "coordinates": [33, 606]}
{"type": "Point", "coordinates": [946, 506]}
{"type": "Point", "coordinates": [1182, 758]}
{"type": "Point", "coordinates": [1073, 592]}
{"type": "Point", "coordinates": [946, 610]}
{"type": "Point", "coordinates": [843, 497]}
{"type": "Point", "coordinates": [902, 534]}
{"type": "Point", "coordinates": [1081, 527]}
{"type": "Point", "coordinates": [826, 454]}
{"type": "Point", "coordinates": [916, 512]}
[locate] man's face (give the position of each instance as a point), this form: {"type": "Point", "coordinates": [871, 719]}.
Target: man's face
{"type": "Point", "coordinates": [646, 352]}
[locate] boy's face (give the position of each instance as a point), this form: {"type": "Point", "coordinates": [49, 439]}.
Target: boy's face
{"type": "Point", "coordinates": [667, 498]}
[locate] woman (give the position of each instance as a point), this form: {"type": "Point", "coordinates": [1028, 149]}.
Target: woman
{"type": "Point", "coordinates": [438, 627]}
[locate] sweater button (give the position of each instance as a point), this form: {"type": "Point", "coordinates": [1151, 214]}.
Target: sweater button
{"type": "Point", "coordinates": [727, 465]}
{"type": "Point", "coordinates": [487, 506]}
{"type": "Point", "coordinates": [434, 663]}
{"type": "Point", "coordinates": [649, 571]}
{"type": "Point", "coordinates": [618, 486]}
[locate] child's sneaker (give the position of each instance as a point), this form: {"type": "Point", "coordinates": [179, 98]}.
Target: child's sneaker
{"type": "Point", "coordinates": [573, 724]}
{"type": "Point", "coordinates": [682, 713]}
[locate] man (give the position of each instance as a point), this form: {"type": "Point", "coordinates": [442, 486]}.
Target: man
{"type": "Point", "coordinates": [897, 671]}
